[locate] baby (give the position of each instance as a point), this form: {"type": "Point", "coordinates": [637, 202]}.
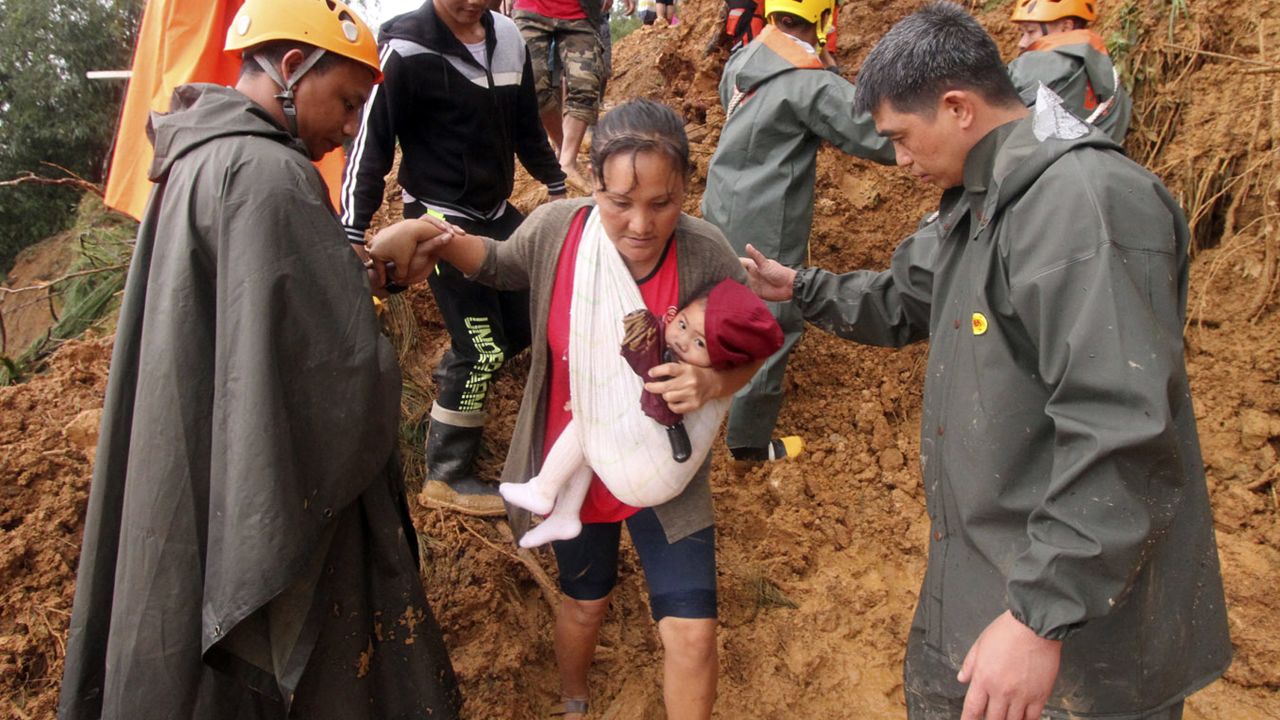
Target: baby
{"type": "Point", "coordinates": [727, 327]}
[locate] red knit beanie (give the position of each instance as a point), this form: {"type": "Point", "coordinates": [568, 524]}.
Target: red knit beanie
{"type": "Point", "coordinates": [739, 328]}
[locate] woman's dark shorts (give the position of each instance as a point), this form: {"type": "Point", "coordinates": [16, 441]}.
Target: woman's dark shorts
{"type": "Point", "coordinates": [681, 576]}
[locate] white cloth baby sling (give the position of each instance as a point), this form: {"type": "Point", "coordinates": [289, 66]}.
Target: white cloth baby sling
{"type": "Point", "coordinates": [628, 450]}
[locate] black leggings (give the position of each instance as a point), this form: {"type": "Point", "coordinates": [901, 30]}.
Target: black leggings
{"type": "Point", "coordinates": [681, 576]}
{"type": "Point", "coordinates": [486, 326]}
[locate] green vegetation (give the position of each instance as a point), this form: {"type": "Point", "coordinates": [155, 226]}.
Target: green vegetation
{"type": "Point", "coordinates": [49, 111]}
{"type": "Point", "coordinates": [621, 26]}
{"type": "Point", "coordinates": [1124, 38]}
{"type": "Point", "coordinates": [89, 294]}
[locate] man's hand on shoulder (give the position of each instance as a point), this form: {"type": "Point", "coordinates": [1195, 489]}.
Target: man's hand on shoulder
{"type": "Point", "coordinates": [769, 279]}
{"type": "Point", "coordinates": [1010, 672]}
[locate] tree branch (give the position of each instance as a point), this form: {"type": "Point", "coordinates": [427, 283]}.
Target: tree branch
{"type": "Point", "coordinates": [1267, 66]}
{"type": "Point", "coordinates": [68, 276]}
{"type": "Point", "coordinates": [72, 180]}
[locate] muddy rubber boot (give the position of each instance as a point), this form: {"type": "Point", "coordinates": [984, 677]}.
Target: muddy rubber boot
{"type": "Point", "coordinates": [453, 439]}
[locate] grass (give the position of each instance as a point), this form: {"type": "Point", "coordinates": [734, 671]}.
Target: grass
{"type": "Point", "coordinates": [1177, 8]}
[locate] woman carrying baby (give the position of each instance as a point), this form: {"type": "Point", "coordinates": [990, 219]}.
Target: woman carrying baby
{"type": "Point", "coordinates": [564, 254]}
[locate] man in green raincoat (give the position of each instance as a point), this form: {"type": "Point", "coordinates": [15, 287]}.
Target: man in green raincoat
{"type": "Point", "coordinates": [1072, 568]}
{"type": "Point", "coordinates": [782, 98]}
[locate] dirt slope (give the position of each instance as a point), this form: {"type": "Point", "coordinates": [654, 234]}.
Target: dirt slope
{"type": "Point", "coordinates": [820, 559]}
{"type": "Point", "coordinates": [28, 312]}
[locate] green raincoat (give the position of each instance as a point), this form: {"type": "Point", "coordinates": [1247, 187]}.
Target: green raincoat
{"type": "Point", "coordinates": [247, 551]}
{"type": "Point", "coordinates": [780, 104]}
{"type": "Point", "coordinates": [1059, 451]}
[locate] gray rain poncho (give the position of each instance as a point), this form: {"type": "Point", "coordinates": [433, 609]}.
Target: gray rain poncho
{"type": "Point", "coordinates": [247, 550]}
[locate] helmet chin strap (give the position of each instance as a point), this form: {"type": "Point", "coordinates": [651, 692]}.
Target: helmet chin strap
{"type": "Point", "coordinates": [285, 96]}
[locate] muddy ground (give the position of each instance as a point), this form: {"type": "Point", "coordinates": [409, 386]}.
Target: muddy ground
{"type": "Point", "coordinates": [821, 558]}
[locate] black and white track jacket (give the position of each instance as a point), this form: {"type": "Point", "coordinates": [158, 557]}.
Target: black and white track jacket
{"type": "Point", "coordinates": [459, 124]}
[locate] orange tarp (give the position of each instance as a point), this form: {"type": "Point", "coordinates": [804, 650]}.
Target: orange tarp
{"type": "Point", "coordinates": [179, 41]}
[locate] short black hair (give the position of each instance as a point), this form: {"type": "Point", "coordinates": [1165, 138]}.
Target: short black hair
{"type": "Point", "coordinates": [275, 50]}
{"type": "Point", "coordinates": [638, 126]}
{"type": "Point", "coordinates": [938, 48]}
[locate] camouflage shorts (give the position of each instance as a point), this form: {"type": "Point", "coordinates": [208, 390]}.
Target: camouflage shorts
{"type": "Point", "coordinates": [579, 52]}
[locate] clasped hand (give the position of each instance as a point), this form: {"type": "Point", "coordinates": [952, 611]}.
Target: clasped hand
{"type": "Point", "coordinates": [407, 251]}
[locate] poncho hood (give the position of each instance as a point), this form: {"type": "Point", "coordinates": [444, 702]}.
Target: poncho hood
{"type": "Point", "coordinates": [201, 112]}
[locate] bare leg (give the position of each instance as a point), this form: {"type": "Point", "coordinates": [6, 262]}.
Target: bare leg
{"type": "Point", "coordinates": [690, 667]}
{"type": "Point", "coordinates": [577, 629]}
{"type": "Point", "coordinates": [575, 129]}
{"type": "Point", "coordinates": [551, 121]}
{"type": "Point", "coordinates": [539, 494]}
{"type": "Point", "coordinates": [563, 522]}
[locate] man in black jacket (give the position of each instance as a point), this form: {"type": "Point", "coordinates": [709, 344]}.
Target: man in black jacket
{"type": "Point", "coordinates": [459, 97]}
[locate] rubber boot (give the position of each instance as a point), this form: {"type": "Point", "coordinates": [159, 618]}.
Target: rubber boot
{"type": "Point", "coordinates": [747, 458]}
{"type": "Point", "coordinates": [453, 439]}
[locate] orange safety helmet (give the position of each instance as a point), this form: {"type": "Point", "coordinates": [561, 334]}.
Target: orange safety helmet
{"type": "Point", "coordinates": [1044, 11]}
{"type": "Point", "coordinates": [328, 25]}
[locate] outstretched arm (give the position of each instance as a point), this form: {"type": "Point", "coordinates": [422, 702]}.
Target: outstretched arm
{"type": "Point", "coordinates": [832, 120]}
{"type": "Point", "coordinates": [889, 308]}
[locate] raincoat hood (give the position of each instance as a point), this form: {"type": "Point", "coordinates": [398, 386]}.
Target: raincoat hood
{"type": "Point", "coordinates": [1027, 150]}
{"type": "Point", "coordinates": [1086, 48]}
{"type": "Point", "coordinates": [772, 54]}
{"type": "Point", "coordinates": [201, 112]}
{"type": "Point", "coordinates": [1076, 67]}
